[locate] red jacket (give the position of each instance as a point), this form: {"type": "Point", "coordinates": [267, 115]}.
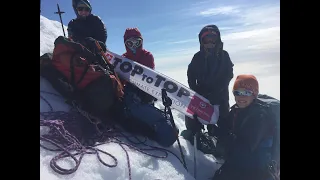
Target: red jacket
{"type": "Point", "coordinates": [142, 56]}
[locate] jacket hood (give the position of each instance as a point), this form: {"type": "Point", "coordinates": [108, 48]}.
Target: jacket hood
{"type": "Point", "coordinates": [219, 43]}
{"type": "Point", "coordinates": [210, 28]}
{"type": "Point", "coordinates": [132, 32]}
{"type": "Point", "coordinates": [76, 2]}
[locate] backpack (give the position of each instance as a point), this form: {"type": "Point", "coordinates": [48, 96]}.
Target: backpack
{"type": "Point", "coordinates": [81, 76]}
{"type": "Point", "coordinates": [144, 119]}
{"type": "Point", "coordinates": [273, 109]}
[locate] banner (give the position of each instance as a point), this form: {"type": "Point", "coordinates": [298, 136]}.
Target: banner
{"type": "Point", "coordinates": [150, 81]}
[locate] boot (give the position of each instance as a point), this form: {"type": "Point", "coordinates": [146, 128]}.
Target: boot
{"type": "Point", "coordinates": [205, 142]}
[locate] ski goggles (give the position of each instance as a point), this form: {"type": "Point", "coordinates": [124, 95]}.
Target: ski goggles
{"type": "Point", "coordinates": [242, 93]}
{"type": "Point", "coordinates": [83, 9]}
{"type": "Point", "coordinates": [133, 42]}
{"type": "Point", "coordinates": [209, 37]}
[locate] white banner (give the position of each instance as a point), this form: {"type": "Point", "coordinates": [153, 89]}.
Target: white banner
{"type": "Point", "coordinates": [150, 81]}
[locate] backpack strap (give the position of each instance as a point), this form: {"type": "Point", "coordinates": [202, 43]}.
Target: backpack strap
{"type": "Point", "coordinates": [72, 75]}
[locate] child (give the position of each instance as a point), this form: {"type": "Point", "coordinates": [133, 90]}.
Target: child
{"type": "Point", "coordinates": [247, 134]}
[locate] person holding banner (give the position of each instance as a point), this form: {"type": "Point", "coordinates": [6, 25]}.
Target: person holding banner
{"type": "Point", "coordinates": [133, 42]}
{"type": "Point", "coordinates": [209, 74]}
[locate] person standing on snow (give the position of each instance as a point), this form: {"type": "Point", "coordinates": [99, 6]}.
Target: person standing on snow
{"type": "Point", "coordinates": [133, 42]}
{"type": "Point", "coordinates": [209, 74]}
{"type": "Point", "coordinates": [86, 24]}
{"type": "Point", "coordinates": [247, 135]}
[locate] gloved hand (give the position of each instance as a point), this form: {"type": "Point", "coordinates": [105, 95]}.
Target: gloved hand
{"type": "Point", "coordinates": [193, 126]}
{"type": "Point", "coordinates": [90, 43]}
{"type": "Point", "coordinates": [197, 126]}
{"type": "Point", "coordinates": [213, 130]}
{"type": "Point", "coordinates": [213, 97]}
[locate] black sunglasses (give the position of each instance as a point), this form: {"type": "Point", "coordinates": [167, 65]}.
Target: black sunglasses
{"type": "Point", "coordinates": [83, 9]}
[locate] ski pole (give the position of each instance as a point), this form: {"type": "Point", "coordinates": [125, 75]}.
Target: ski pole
{"type": "Point", "coordinates": [195, 153]}
{"type": "Point", "coordinates": [167, 102]}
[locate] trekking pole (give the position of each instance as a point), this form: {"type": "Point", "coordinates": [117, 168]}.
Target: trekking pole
{"type": "Point", "coordinates": [60, 12]}
{"type": "Point", "coordinates": [167, 102]}
{"type": "Point", "coordinates": [195, 149]}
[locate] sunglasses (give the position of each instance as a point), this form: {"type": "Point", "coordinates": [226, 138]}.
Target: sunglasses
{"type": "Point", "coordinates": [209, 36]}
{"type": "Point", "coordinates": [83, 9]}
{"type": "Point", "coordinates": [133, 42]}
{"type": "Point", "coordinates": [242, 93]}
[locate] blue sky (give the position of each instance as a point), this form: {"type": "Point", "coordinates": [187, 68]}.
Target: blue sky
{"type": "Point", "coordinates": [250, 29]}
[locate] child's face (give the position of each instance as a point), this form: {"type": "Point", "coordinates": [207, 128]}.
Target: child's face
{"type": "Point", "coordinates": [243, 97]}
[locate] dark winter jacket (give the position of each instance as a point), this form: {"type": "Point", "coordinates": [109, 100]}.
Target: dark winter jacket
{"type": "Point", "coordinates": [247, 135]}
{"type": "Point", "coordinates": [91, 26]}
{"type": "Point", "coordinates": [142, 56]}
{"type": "Point", "coordinates": [210, 76]}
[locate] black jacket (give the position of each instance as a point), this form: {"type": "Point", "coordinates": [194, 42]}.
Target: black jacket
{"type": "Point", "coordinates": [91, 26]}
{"type": "Point", "coordinates": [247, 134]}
{"type": "Point", "coordinates": [210, 75]}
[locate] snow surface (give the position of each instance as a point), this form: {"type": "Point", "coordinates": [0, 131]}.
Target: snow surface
{"type": "Point", "coordinates": [142, 167]}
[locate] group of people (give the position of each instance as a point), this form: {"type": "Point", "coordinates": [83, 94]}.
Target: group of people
{"type": "Point", "coordinates": [244, 132]}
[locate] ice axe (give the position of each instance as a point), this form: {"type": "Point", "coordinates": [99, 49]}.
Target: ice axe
{"type": "Point", "coordinates": [59, 12]}
{"type": "Point", "coordinates": [167, 102]}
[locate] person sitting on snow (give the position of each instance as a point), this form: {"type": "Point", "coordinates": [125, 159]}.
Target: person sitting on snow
{"type": "Point", "coordinates": [209, 74]}
{"type": "Point", "coordinates": [247, 135]}
{"type": "Point", "coordinates": [86, 24]}
{"type": "Point", "coordinates": [133, 42]}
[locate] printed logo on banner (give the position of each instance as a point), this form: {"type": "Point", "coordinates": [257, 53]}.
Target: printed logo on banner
{"type": "Point", "coordinates": [203, 109]}
{"type": "Point", "coordinates": [109, 56]}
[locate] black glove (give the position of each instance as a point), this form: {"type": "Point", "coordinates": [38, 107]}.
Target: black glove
{"type": "Point", "coordinates": [197, 126]}
{"type": "Point", "coordinates": [213, 130]}
{"type": "Point", "coordinates": [90, 43]}
{"type": "Point", "coordinates": [193, 125]}
{"type": "Point", "coordinates": [213, 97]}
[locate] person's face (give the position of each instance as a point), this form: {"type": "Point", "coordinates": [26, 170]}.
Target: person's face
{"type": "Point", "coordinates": [243, 97]}
{"type": "Point", "coordinates": [209, 40]}
{"type": "Point", "coordinates": [83, 11]}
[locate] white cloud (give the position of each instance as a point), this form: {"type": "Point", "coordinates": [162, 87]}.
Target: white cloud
{"type": "Point", "coordinates": [253, 41]}
{"type": "Point", "coordinates": [251, 36]}
{"type": "Point", "coordinates": [255, 33]}
{"type": "Point", "coordinates": [257, 45]}
{"type": "Point", "coordinates": [263, 15]}
{"type": "Point", "coordinates": [184, 41]}
{"type": "Point", "coordinates": [224, 10]}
